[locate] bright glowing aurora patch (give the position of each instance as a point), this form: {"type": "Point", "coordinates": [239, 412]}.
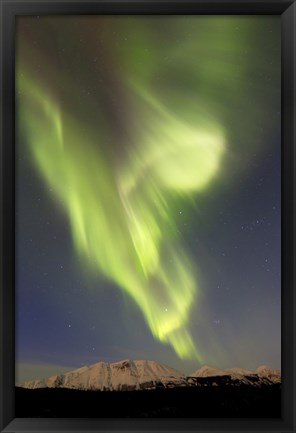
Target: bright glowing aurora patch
{"type": "Point", "coordinates": [122, 221]}
{"type": "Point", "coordinates": [122, 156]}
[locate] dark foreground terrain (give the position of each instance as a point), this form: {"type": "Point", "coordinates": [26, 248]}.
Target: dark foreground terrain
{"type": "Point", "coordinates": [242, 401]}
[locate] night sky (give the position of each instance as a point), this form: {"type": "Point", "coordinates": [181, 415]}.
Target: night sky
{"type": "Point", "coordinates": [148, 192]}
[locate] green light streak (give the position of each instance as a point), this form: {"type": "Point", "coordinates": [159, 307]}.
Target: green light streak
{"type": "Point", "coordinates": [121, 218]}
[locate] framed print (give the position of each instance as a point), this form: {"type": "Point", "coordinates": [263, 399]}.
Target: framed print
{"type": "Point", "coordinates": [147, 216]}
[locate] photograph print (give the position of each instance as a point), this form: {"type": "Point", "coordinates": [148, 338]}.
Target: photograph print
{"type": "Point", "coordinates": [148, 216]}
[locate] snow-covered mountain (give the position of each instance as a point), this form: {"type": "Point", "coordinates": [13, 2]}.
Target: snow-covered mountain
{"type": "Point", "coordinates": [271, 374]}
{"type": "Point", "coordinates": [263, 375]}
{"type": "Point", "coordinates": [123, 375]}
{"type": "Point", "coordinates": [136, 375]}
{"type": "Point", "coordinates": [207, 371]}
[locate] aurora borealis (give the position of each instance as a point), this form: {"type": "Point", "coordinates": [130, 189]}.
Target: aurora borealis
{"type": "Point", "coordinates": [126, 125]}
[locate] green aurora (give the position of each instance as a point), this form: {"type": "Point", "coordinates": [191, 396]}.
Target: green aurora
{"type": "Point", "coordinates": [120, 170]}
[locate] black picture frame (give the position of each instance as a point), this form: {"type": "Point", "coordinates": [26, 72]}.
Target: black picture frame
{"type": "Point", "coordinates": [9, 10]}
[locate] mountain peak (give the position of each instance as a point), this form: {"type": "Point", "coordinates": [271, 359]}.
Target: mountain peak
{"type": "Point", "coordinates": [270, 373]}
{"type": "Point", "coordinates": [143, 374]}
{"type": "Point", "coordinates": [264, 368]}
{"type": "Point", "coordinates": [121, 375]}
{"type": "Point", "coordinates": [207, 370]}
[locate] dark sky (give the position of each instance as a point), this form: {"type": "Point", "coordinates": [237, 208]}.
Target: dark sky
{"type": "Point", "coordinates": [148, 182]}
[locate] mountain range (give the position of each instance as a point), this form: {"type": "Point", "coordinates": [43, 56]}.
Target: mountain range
{"type": "Point", "coordinates": [142, 374]}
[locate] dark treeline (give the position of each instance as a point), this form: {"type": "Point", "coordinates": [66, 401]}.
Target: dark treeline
{"type": "Point", "coordinates": [212, 402]}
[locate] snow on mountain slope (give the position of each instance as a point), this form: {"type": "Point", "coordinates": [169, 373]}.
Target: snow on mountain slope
{"type": "Point", "coordinates": [272, 374]}
{"type": "Point", "coordinates": [33, 384]}
{"type": "Point", "coordinates": [262, 376]}
{"type": "Point", "coordinates": [116, 376]}
{"type": "Point", "coordinates": [239, 371]}
{"type": "Point", "coordinates": [207, 371]}
{"type": "Point", "coordinates": [135, 375]}
{"type": "Point", "coordinates": [242, 375]}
